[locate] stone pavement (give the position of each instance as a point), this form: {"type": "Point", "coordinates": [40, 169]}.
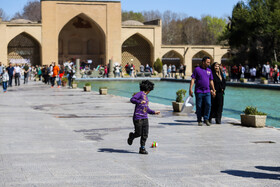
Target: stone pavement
{"type": "Point", "coordinates": [66, 137]}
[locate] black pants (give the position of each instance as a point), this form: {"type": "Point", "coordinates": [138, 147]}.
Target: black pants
{"type": "Point", "coordinates": [141, 129]}
{"type": "Point", "coordinates": [10, 80]}
{"type": "Point", "coordinates": [17, 81]}
{"type": "Point", "coordinates": [52, 80]}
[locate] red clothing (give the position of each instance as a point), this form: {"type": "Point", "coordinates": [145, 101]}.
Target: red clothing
{"type": "Point", "coordinates": [61, 74]}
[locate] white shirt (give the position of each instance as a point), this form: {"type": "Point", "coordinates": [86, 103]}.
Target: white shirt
{"type": "Point", "coordinates": [17, 69]}
{"type": "Point", "coordinates": [253, 71]}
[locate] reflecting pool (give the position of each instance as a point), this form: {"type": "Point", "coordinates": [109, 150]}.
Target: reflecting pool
{"type": "Point", "coordinates": [236, 99]}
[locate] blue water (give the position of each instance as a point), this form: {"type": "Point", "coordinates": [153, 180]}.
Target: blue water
{"type": "Point", "coordinates": [236, 99]}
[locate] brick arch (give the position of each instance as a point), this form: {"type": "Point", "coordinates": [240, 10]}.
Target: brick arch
{"type": "Point", "coordinates": [196, 58]}
{"type": "Point", "coordinates": [24, 48]}
{"type": "Point", "coordinates": [173, 57]}
{"type": "Point", "coordinates": [137, 50]}
{"type": "Point", "coordinates": [74, 40]}
{"type": "Point", "coordinates": [225, 58]}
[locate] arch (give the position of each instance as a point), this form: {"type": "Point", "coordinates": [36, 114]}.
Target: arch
{"type": "Point", "coordinates": [137, 50]}
{"type": "Point", "coordinates": [173, 57]}
{"type": "Point", "coordinates": [142, 36]}
{"type": "Point", "coordinates": [197, 58]}
{"type": "Point", "coordinates": [24, 48]}
{"type": "Point", "coordinates": [226, 58]}
{"type": "Point", "coordinates": [82, 38]}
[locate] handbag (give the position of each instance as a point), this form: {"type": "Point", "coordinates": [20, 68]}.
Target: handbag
{"type": "Point", "coordinates": [57, 78]}
{"type": "Point", "coordinates": [188, 105]}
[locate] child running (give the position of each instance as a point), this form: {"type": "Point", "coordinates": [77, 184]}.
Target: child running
{"type": "Point", "coordinates": [140, 117]}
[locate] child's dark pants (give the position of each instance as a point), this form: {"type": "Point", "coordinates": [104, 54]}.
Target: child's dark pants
{"type": "Point", "coordinates": [141, 128]}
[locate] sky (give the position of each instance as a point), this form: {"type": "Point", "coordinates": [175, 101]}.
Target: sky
{"type": "Point", "coordinates": [194, 8]}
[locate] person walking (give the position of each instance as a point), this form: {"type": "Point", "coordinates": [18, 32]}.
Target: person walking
{"type": "Point", "coordinates": [55, 74]}
{"type": "Point", "coordinates": [25, 74]}
{"type": "Point", "coordinates": [202, 77]}
{"type": "Point", "coordinates": [5, 79]}
{"type": "Point", "coordinates": [253, 73]}
{"type": "Point", "coordinates": [17, 75]}
{"type": "Point", "coordinates": [1, 69]}
{"type": "Point", "coordinates": [10, 70]}
{"type": "Point", "coordinates": [276, 74]}
{"type": "Point", "coordinates": [217, 100]}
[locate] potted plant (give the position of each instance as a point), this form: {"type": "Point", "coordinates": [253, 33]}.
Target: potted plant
{"type": "Point", "coordinates": [264, 80]}
{"type": "Point", "coordinates": [74, 84]}
{"type": "Point", "coordinates": [64, 81]}
{"type": "Point", "coordinates": [243, 80]}
{"type": "Point", "coordinates": [252, 117]}
{"type": "Point", "coordinates": [37, 78]}
{"type": "Point", "coordinates": [103, 90]}
{"type": "Point", "coordinates": [87, 87]}
{"type": "Point", "coordinates": [178, 104]}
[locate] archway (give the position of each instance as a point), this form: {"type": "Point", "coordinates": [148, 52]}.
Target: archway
{"type": "Point", "coordinates": [173, 57]}
{"type": "Point", "coordinates": [226, 59]}
{"type": "Point", "coordinates": [197, 58]}
{"type": "Point", "coordinates": [82, 38]}
{"type": "Point", "coordinates": [24, 49]}
{"type": "Point", "coordinates": [136, 50]}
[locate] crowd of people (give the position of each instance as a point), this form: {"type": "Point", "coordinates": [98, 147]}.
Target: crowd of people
{"type": "Point", "coordinates": [48, 74]}
{"type": "Point", "coordinates": [267, 71]}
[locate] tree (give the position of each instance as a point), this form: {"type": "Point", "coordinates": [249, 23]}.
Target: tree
{"type": "Point", "coordinates": [151, 15]}
{"type": "Point", "coordinates": [31, 11]}
{"type": "Point", "coordinates": [158, 65]}
{"type": "Point", "coordinates": [132, 16]}
{"type": "Point", "coordinates": [3, 15]}
{"type": "Point", "coordinates": [215, 27]}
{"type": "Point", "coordinates": [254, 31]}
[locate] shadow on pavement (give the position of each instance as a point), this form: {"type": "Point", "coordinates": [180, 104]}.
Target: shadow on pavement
{"type": "Point", "coordinates": [268, 168]}
{"type": "Point", "coordinates": [110, 150]}
{"type": "Point", "coordinates": [185, 123]}
{"type": "Point", "coordinates": [251, 174]}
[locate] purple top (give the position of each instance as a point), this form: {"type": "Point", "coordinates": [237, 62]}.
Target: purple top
{"type": "Point", "coordinates": [141, 110]}
{"type": "Point", "coordinates": [202, 79]}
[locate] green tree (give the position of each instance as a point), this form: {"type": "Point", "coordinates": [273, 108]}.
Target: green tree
{"type": "Point", "coordinates": [215, 27]}
{"type": "Point", "coordinates": [254, 31]}
{"type": "Point", "coordinates": [158, 65]}
{"type": "Point", "coordinates": [130, 15]}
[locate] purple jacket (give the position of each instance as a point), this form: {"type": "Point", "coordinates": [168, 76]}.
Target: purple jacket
{"type": "Point", "coordinates": [141, 110]}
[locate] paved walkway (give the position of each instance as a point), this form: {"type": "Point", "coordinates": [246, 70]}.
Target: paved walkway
{"type": "Point", "coordinates": [66, 137]}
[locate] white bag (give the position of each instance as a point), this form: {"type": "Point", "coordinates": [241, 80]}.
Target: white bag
{"type": "Point", "coordinates": [188, 105]}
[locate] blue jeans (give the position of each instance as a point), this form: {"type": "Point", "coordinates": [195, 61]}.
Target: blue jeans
{"type": "Point", "coordinates": [203, 106]}
{"type": "Point", "coordinates": [4, 86]}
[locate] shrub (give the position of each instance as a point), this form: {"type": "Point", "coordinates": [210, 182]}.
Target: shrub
{"type": "Point", "coordinates": [158, 65]}
{"type": "Point", "coordinates": [180, 94]}
{"type": "Point", "coordinates": [87, 84]}
{"type": "Point", "coordinates": [263, 78]}
{"type": "Point", "coordinates": [103, 88]}
{"type": "Point", "coordinates": [249, 110]}
{"type": "Point", "coordinates": [64, 79]}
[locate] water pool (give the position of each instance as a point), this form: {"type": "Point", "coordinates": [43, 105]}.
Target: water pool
{"type": "Point", "coordinates": [236, 99]}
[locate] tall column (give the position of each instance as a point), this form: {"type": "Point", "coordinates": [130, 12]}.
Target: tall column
{"type": "Point", "coordinates": [78, 74]}
{"type": "Point", "coordinates": [111, 65]}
